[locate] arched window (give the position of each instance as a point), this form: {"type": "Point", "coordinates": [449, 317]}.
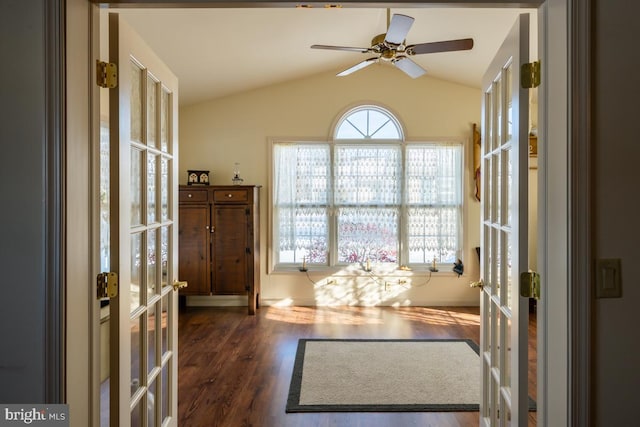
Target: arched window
{"type": "Point", "coordinates": [368, 122]}
{"type": "Point", "coordinates": [367, 197]}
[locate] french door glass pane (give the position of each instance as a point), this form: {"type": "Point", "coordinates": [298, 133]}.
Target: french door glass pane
{"type": "Point", "coordinates": [136, 186]}
{"type": "Point", "coordinates": [492, 209]}
{"type": "Point", "coordinates": [507, 339]}
{"type": "Point", "coordinates": [164, 391]}
{"type": "Point", "coordinates": [492, 252]}
{"type": "Point", "coordinates": [508, 186]}
{"type": "Point", "coordinates": [496, 349]}
{"type": "Point", "coordinates": [151, 111]}
{"type": "Point", "coordinates": [487, 195]}
{"type": "Point", "coordinates": [497, 206]}
{"type": "Point", "coordinates": [105, 265]}
{"type": "Point", "coordinates": [499, 112]}
{"type": "Point", "coordinates": [151, 263]}
{"type": "Point", "coordinates": [486, 247]}
{"type": "Point", "coordinates": [151, 187]}
{"type": "Point", "coordinates": [151, 338]}
{"type": "Point", "coordinates": [136, 271]}
{"type": "Point", "coordinates": [487, 144]}
{"type": "Point", "coordinates": [136, 348]}
{"type": "Point", "coordinates": [105, 220]}
{"type": "Point", "coordinates": [509, 106]}
{"type": "Point", "coordinates": [164, 120]}
{"type": "Point", "coordinates": [499, 254]}
{"type": "Point", "coordinates": [507, 418]}
{"type": "Point", "coordinates": [486, 409]}
{"type": "Point", "coordinates": [136, 102]}
{"type": "Point", "coordinates": [164, 256]}
{"type": "Point", "coordinates": [165, 322]}
{"type": "Point", "coordinates": [495, 399]}
{"type": "Point", "coordinates": [488, 342]}
{"type": "Point", "coordinates": [151, 404]}
{"type": "Point", "coordinates": [509, 278]}
{"type": "Point", "coordinates": [136, 415]}
{"type": "Point", "coordinates": [164, 188]}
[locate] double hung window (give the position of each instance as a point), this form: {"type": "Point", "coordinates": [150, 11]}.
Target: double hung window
{"type": "Point", "coordinates": [367, 197]}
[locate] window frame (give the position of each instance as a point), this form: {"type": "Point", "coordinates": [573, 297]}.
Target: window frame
{"type": "Point", "coordinates": [403, 252]}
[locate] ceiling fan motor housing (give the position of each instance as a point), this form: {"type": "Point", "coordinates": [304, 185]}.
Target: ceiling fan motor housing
{"type": "Point", "coordinates": [379, 44]}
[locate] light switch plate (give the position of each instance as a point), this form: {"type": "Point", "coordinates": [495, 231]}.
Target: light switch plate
{"type": "Point", "coordinates": [608, 278]}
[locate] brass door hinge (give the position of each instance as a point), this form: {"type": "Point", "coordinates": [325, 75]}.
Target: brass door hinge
{"type": "Point", "coordinates": [530, 75]}
{"type": "Point", "coordinates": [107, 285]}
{"type": "Point", "coordinates": [530, 285]}
{"type": "Point", "coordinates": [106, 74]}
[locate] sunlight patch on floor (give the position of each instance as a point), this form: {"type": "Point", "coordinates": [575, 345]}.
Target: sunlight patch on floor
{"type": "Point", "coordinates": [325, 315]}
{"type": "Point", "coordinates": [355, 286]}
{"type": "Point", "coordinates": [350, 315]}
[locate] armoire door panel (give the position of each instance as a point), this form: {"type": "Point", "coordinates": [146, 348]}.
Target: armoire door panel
{"type": "Point", "coordinates": [194, 249]}
{"type": "Point", "coordinates": [231, 249]}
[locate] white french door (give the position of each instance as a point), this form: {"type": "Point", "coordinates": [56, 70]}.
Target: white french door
{"type": "Point", "coordinates": [504, 313]}
{"type": "Point", "coordinates": [144, 233]}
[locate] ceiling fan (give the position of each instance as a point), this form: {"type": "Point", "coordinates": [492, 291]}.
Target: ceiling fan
{"type": "Point", "coordinates": [391, 47]}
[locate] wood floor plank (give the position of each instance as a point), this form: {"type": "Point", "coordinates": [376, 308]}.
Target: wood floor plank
{"type": "Point", "coordinates": [235, 370]}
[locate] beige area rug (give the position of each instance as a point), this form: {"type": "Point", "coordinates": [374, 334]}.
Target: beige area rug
{"type": "Point", "coordinates": [385, 376]}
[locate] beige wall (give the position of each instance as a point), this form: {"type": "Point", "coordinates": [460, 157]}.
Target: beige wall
{"type": "Point", "coordinates": [216, 134]}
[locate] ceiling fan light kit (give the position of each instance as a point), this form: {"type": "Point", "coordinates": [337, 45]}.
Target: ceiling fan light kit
{"type": "Point", "coordinates": [391, 47]}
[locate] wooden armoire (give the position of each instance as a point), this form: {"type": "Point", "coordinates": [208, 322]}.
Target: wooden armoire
{"type": "Point", "coordinates": [219, 248]}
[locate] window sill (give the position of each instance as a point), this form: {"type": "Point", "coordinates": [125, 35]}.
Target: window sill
{"type": "Point", "coordinates": [444, 270]}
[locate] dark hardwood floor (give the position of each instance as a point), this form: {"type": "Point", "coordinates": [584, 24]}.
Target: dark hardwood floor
{"type": "Point", "coordinates": [234, 370]}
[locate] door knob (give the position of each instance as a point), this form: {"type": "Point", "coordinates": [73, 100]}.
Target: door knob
{"type": "Point", "coordinates": [478, 284]}
{"type": "Point", "coordinates": [177, 285]}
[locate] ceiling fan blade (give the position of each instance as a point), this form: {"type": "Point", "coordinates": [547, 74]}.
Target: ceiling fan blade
{"type": "Point", "coordinates": [358, 66]}
{"type": "Point", "coordinates": [444, 46]}
{"type": "Point", "coordinates": [398, 29]}
{"type": "Point", "coordinates": [412, 69]}
{"type": "Point", "coordinates": [347, 48]}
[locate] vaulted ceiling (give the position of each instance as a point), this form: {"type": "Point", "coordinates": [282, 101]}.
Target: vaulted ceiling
{"type": "Point", "coordinates": [218, 52]}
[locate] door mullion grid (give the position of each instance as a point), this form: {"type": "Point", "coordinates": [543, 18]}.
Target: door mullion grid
{"type": "Point", "coordinates": [167, 360]}
{"type": "Point", "coordinates": [503, 146]}
{"type": "Point", "coordinates": [144, 251]}
{"type": "Point", "coordinates": [496, 218]}
{"type": "Point", "coordinates": [155, 376]}
{"type": "Point", "coordinates": [488, 334]}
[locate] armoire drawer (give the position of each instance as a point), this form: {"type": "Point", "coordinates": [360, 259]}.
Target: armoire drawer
{"type": "Point", "coordinates": [195, 195]}
{"type": "Point", "coordinates": [231, 195]}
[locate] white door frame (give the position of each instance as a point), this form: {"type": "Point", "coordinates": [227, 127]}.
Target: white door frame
{"type": "Point", "coordinates": [564, 250]}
